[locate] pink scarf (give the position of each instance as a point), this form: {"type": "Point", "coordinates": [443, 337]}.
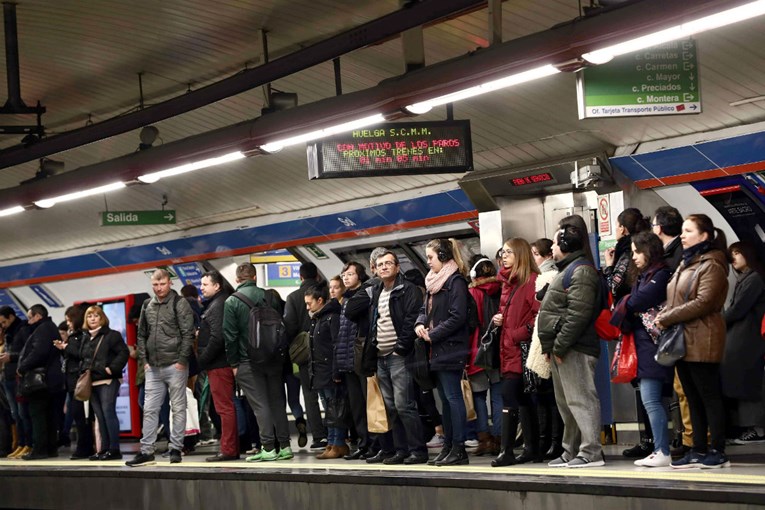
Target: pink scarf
{"type": "Point", "coordinates": [434, 282]}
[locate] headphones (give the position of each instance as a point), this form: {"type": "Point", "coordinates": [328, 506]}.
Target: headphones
{"type": "Point", "coordinates": [473, 273]}
{"type": "Point", "coordinates": [444, 251]}
{"type": "Point", "coordinates": [569, 239]}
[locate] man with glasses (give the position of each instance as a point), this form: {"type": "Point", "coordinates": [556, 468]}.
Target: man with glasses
{"type": "Point", "coordinates": [394, 306]}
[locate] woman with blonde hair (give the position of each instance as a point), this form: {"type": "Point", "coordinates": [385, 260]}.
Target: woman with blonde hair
{"type": "Point", "coordinates": [443, 324]}
{"type": "Point", "coordinates": [515, 318]}
{"type": "Point", "coordinates": [105, 354]}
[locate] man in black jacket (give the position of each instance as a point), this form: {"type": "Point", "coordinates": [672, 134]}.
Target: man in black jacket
{"type": "Point", "coordinates": [212, 358]}
{"type": "Point", "coordinates": [296, 320]}
{"type": "Point", "coordinates": [394, 306]}
{"type": "Point", "coordinates": [39, 353]}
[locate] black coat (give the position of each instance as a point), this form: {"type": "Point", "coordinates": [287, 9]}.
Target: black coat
{"type": "Point", "coordinates": [346, 338]}
{"type": "Point", "coordinates": [113, 353]}
{"type": "Point", "coordinates": [15, 338]}
{"type": "Point", "coordinates": [210, 343]}
{"type": "Point", "coordinates": [673, 254]}
{"type": "Point", "coordinates": [296, 317]}
{"type": "Point", "coordinates": [39, 351]}
{"type": "Point", "coordinates": [73, 358]}
{"type": "Point", "coordinates": [357, 309]}
{"type": "Point", "coordinates": [449, 336]}
{"type": "Point", "coordinates": [649, 291]}
{"type": "Point", "coordinates": [405, 304]}
{"type": "Point", "coordinates": [323, 333]}
{"type": "Point", "coordinates": [742, 364]}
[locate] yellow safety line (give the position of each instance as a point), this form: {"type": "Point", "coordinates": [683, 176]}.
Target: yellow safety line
{"type": "Point", "coordinates": [726, 475]}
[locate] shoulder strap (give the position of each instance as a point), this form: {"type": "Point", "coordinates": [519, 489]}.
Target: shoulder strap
{"type": "Point", "coordinates": [568, 274]}
{"type": "Point", "coordinates": [93, 360]}
{"type": "Point", "coordinates": [244, 299]}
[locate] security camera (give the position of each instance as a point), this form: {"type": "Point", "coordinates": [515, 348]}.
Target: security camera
{"type": "Point", "coordinates": [586, 175]}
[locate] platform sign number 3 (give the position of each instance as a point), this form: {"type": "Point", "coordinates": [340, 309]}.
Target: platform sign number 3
{"type": "Point", "coordinates": [604, 215]}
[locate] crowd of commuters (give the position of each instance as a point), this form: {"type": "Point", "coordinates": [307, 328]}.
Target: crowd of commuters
{"type": "Point", "coordinates": [407, 337]}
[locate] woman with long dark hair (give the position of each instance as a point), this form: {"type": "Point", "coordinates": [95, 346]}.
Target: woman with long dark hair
{"type": "Point", "coordinates": [516, 315]}
{"type": "Point", "coordinates": [443, 323]}
{"type": "Point", "coordinates": [695, 299]}
{"type": "Point", "coordinates": [742, 364]}
{"type": "Point", "coordinates": [72, 348]}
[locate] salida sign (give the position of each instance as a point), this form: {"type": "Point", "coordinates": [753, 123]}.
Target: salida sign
{"type": "Point", "coordinates": [127, 218]}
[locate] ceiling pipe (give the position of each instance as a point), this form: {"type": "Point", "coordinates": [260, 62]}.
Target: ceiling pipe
{"type": "Point", "coordinates": [558, 45]}
{"type": "Point", "coordinates": [14, 104]}
{"type": "Point", "coordinates": [375, 31]}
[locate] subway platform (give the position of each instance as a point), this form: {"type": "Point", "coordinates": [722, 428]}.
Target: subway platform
{"type": "Point", "coordinates": [306, 482]}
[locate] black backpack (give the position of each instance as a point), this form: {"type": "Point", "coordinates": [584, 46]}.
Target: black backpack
{"type": "Point", "coordinates": [490, 309]}
{"type": "Point", "coordinates": [266, 334]}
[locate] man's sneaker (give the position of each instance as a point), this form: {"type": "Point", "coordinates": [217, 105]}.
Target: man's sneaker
{"type": "Point", "coordinates": [302, 433]}
{"type": "Point", "coordinates": [318, 444]}
{"type": "Point", "coordinates": [656, 459]}
{"type": "Point", "coordinates": [749, 437]}
{"type": "Point", "coordinates": [264, 456]}
{"type": "Point", "coordinates": [679, 451]}
{"type": "Point", "coordinates": [691, 460]}
{"type": "Point", "coordinates": [581, 462]}
{"type": "Point", "coordinates": [175, 457]}
{"type": "Point", "coordinates": [141, 459]}
{"type": "Point", "coordinates": [285, 453]}
{"type": "Point", "coordinates": [437, 441]}
{"type": "Point", "coordinates": [714, 460]}
{"type": "Point", "coordinates": [559, 462]}
{"type": "Point", "coordinates": [254, 451]}
{"type": "Point", "coordinates": [471, 443]}
{"type": "Point", "coordinates": [208, 442]}
{"type": "Point", "coordinates": [639, 451]}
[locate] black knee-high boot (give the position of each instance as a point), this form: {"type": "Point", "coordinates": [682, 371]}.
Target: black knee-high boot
{"type": "Point", "coordinates": [509, 426]}
{"type": "Point", "coordinates": [530, 428]}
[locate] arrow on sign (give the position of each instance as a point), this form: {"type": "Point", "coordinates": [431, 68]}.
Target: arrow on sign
{"type": "Point", "coordinates": [169, 217]}
{"type": "Point", "coordinates": [693, 107]}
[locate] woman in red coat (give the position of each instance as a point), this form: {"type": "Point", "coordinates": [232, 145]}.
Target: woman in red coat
{"type": "Point", "coordinates": [517, 312]}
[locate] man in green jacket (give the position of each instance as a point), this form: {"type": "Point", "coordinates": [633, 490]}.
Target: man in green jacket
{"type": "Point", "coordinates": [262, 384]}
{"type": "Point", "coordinates": [567, 334]}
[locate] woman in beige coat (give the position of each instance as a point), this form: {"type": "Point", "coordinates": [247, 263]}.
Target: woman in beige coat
{"type": "Point", "coordinates": [695, 297]}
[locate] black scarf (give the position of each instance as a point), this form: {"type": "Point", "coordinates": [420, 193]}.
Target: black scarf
{"type": "Point", "coordinates": [623, 245]}
{"type": "Point", "coordinates": [696, 249]}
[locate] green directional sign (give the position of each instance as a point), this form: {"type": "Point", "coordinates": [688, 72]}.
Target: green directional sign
{"type": "Point", "coordinates": [662, 80]}
{"type": "Point", "coordinates": [126, 218]}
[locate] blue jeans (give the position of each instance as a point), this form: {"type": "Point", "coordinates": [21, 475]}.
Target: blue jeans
{"type": "Point", "coordinates": [104, 402]}
{"type": "Point", "coordinates": [159, 382]}
{"type": "Point", "coordinates": [23, 428]}
{"type": "Point", "coordinates": [293, 393]}
{"type": "Point", "coordinates": [335, 435]}
{"type": "Point", "coordinates": [651, 395]}
{"type": "Point", "coordinates": [482, 410]}
{"type": "Point", "coordinates": [397, 388]}
{"type": "Point", "coordinates": [452, 406]}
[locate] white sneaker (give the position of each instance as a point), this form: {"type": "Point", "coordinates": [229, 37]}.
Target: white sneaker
{"type": "Point", "coordinates": [656, 459]}
{"type": "Point", "coordinates": [437, 441]}
{"type": "Point", "coordinates": [471, 443]}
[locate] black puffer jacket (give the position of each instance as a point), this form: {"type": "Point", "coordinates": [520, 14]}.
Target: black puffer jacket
{"type": "Point", "coordinates": [210, 342]}
{"type": "Point", "coordinates": [39, 351]}
{"type": "Point", "coordinates": [346, 338]}
{"type": "Point", "coordinates": [323, 331]}
{"type": "Point", "coordinates": [112, 353]}
{"type": "Point", "coordinates": [15, 338]}
{"type": "Point", "coordinates": [447, 312]}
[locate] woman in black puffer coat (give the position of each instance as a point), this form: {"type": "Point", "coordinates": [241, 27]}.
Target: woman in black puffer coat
{"type": "Point", "coordinates": [106, 362]}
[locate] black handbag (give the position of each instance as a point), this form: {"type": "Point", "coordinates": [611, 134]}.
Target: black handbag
{"type": "Point", "coordinates": [421, 365]}
{"type": "Point", "coordinates": [34, 381]}
{"type": "Point", "coordinates": [671, 342]}
{"type": "Point", "coordinates": [487, 355]}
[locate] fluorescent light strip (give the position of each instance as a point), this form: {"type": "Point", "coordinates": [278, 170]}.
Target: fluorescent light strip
{"type": "Point", "coordinates": [189, 167]}
{"type": "Point", "coordinates": [278, 145]}
{"type": "Point", "coordinates": [508, 81]}
{"type": "Point", "coordinates": [11, 210]}
{"type": "Point", "coordinates": [50, 202]}
{"type": "Point", "coordinates": [721, 19]}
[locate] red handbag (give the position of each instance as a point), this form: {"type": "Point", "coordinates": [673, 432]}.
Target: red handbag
{"type": "Point", "coordinates": [603, 326]}
{"type": "Point", "coordinates": [624, 364]}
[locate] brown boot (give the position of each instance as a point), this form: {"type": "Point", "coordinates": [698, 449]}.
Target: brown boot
{"type": "Point", "coordinates": [496, 445]}
{"type": "Point", "coordinates": [484, 444]}
{"type": "Point", "coordinates": [338, 452]}
{"type": "Point", "coordinates": [15, 438]}
{"type": "Point", "coordinates": [326, 453]}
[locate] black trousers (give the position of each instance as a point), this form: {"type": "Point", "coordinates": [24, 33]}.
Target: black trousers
{"type": "Point", "coordinates": [43, 414]}
{"type": "Point", "coordinates": [701, 384]}
{"type": "Point", "coordinates": [358, 404]}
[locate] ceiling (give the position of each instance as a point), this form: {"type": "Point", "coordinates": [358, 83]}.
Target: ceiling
{"type": "Point", "coordinates": [82, 61]}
